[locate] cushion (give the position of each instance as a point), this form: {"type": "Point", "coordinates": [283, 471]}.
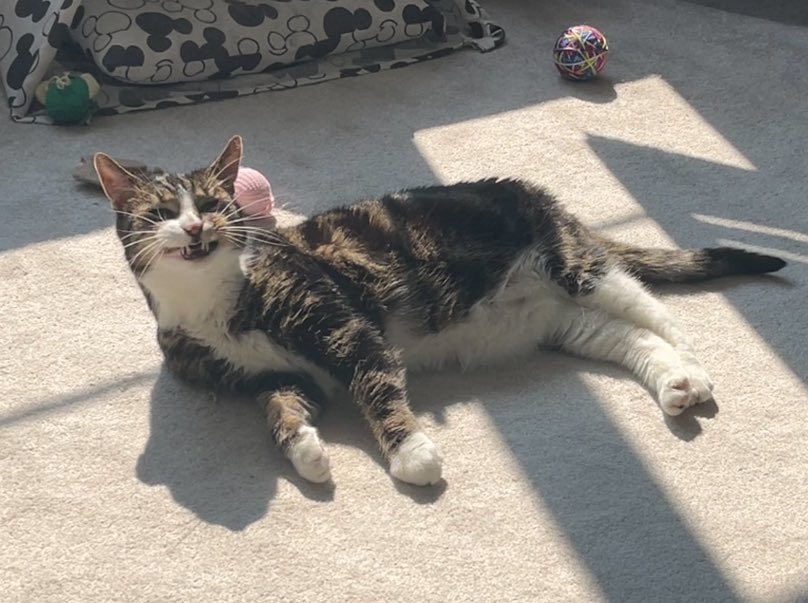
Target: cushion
{"type": "Point", "coordinates": [169, 41]}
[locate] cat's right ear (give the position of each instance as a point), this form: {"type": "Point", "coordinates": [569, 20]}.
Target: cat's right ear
{"type": "Point", "coordinates": [119, 185]}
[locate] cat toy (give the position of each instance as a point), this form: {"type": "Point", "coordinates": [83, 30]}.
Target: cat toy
{"type": "Point", "coordinates": [68, 98]}
{"type": "Point", "coordinates": [253, 194]}
{"type": "Point", "coordinates": [580, 52]}
{"type": "Point", "coordinates": [252, 191]}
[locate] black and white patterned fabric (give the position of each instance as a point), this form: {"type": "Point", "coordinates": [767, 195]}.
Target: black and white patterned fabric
{"type": "Point", "coordinates": [169, 41]}
{"type": "Point", "coordinates": [156, 53]}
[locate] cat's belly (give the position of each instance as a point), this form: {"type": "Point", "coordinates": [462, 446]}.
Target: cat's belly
{"type": "Point", "coordinates": [513, 322]}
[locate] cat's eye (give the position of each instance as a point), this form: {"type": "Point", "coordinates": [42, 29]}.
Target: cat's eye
{"type": "Point", "coordinates": [162, 213]}
{"type": "Point", "coordinates": [207, 205]}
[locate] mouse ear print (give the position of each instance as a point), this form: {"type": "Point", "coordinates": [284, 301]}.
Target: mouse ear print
{"type": "Point", "coordinates": [225, 168]}
{"type": "Point", "coordinates": [119, 184]}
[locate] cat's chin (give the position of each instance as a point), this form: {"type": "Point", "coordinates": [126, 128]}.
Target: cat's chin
{"type": "Point", "coordinates": [194, 252]}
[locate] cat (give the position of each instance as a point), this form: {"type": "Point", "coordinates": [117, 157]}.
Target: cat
{"type": "Point", "coordinates": [352, 298]}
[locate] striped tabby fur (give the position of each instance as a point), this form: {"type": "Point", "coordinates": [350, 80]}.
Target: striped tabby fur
{"type": "Point", "coordinates": [351, 298]}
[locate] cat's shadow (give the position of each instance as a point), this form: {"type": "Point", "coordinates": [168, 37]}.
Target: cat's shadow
{"type": "Point", "coordinates": [215, 456]}
{"type": "Point", "coordinates": [217, 460]}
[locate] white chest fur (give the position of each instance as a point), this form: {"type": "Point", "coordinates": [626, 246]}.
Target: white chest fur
{"type": "Point", "coordinates": [199, 298]}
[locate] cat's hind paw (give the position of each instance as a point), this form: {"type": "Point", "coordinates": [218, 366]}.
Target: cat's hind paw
{"type": "Point", "coordinates": [309, 456]}
{"type": "Point", "coordinates": [417, 460]}
{"type": "Point", "coordinates": [683, 387]}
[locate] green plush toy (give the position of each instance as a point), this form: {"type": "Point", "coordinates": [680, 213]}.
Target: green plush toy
{"type": "Point", "coordinates": [68, 98]}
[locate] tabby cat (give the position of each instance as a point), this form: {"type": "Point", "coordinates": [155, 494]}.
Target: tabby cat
{"type": "Point", "coordinates": [351, 298]}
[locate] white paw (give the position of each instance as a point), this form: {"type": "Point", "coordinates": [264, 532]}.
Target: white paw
{"type": "Point", "coordinates": [309, 456]}
{"type": "Point", "coordinates": [684, 386]}
{"type": "Point", "coordinates": [417, 460]}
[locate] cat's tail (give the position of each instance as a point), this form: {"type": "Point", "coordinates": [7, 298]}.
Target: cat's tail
{"type": "Point", "coordinates": [691, 265]}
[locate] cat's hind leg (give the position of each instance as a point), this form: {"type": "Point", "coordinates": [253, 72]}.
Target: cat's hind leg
{"type": "Point", "coordinates": [289, 414]}
{"type": "Point", "coordinates": [624, 296]}
{"type": "Point", "coordinates": [676, 382]}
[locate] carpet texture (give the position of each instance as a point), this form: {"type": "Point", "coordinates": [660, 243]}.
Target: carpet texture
{"type": "Point", "coordinates": [564, 482]}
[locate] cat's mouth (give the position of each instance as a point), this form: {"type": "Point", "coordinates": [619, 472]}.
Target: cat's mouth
{"type": "Point", "coordinates": [198, 250]}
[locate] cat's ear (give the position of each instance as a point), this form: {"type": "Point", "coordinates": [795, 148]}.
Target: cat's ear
{"type": "Point", "coordinates": [225, 168]}
{"type": "Point", "coordinates": [118, 183]}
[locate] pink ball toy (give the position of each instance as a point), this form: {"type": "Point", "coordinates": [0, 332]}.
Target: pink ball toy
{"type": "Point", "coordinates": [253, 193]}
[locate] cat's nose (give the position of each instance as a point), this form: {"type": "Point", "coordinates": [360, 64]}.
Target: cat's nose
{"type": "Point", "coordinates": [193, 228]}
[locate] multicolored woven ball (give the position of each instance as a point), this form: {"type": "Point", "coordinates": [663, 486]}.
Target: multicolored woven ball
{"type": "Point", "coordinates": [580, 52]}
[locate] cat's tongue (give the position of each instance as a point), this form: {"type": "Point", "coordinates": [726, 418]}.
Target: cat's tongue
{"type": "Point", "coordinates": [253, 193]}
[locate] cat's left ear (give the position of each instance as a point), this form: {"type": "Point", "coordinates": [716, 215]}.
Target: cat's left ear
{"type": "Point", "coordinates": [119, 184]}
{"type": "Point", "coordinates": [225, 168]}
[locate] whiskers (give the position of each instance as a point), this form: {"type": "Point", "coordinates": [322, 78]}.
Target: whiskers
{"type": "Point", "coordinates": [239, 235]}
{"type": "Point", "coordinates": [239, 231]}
{"type": "Point", "coordinates": [137, 217]}
{"type": "Point", "coordinates": [231, 205]}
{"type": "Point", "coordinates": [216, 176]}
{"type": "Point", "coordinates": [126, 235]}
{"type": "Point", "coordinates": [234, 203]}
{"type": "Point", "coordinates": [152, 250]}
{"type": "Point", "coordinates": [140, 241]}
{"type": "Point", "coordinates": [247, 219]}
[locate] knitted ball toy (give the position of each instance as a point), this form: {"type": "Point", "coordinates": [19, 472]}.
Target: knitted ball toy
{"type": "Point", "coordinates": [68, 98]}
{"type": "Point", "coordinates": [580, 52]}
{"type": "Point", "coordinates": [253, 193]}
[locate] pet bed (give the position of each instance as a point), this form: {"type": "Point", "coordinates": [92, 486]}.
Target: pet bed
{"type": "Point", "coordinates": [155, 53]}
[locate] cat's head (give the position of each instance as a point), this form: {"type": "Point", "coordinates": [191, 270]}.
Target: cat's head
{"type": "Point", "coordinates": [183, 218]}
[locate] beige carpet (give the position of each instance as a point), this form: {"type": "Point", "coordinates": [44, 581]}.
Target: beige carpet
{"type": "Point", "coordinates": [563, 480]}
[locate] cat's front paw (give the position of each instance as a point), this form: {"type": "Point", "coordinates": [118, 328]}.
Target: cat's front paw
{"type": "Point", "coordinates": [308, 455]}
{"type": "Point", "coordinates": [684, 386]}
{"type": "Point", "coordinates": [417, 460]}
